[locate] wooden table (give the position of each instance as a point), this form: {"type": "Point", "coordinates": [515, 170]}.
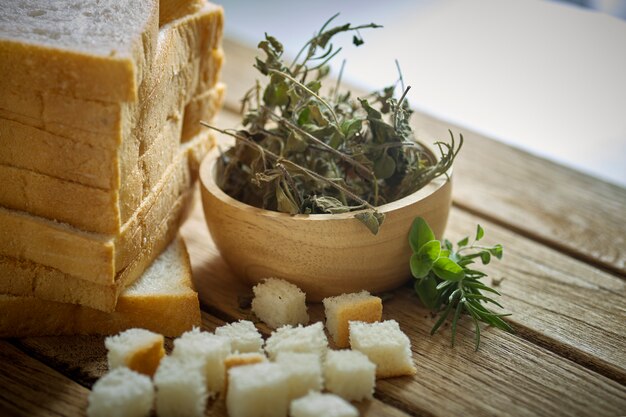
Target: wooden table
{"type": "Point", "coordinates": [564, 270]}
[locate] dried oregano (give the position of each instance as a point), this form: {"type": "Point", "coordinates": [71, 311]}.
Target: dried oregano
{"type": "Point", "coordinates": [307, 149]}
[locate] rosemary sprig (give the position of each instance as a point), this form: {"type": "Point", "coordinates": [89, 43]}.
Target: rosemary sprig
{"type": "Point", "coordinates": [304, 151]}
{"type": "Point", "coordinates": [445, 282]}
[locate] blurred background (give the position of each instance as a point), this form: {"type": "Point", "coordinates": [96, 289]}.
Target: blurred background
{"type": "Point", "coordinates": [546, 76]}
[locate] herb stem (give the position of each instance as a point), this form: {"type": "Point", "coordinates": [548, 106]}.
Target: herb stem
{"type": "Point", "coordinates": [279, 159]}
{"type": "Point", "coordinates": [321, 143]}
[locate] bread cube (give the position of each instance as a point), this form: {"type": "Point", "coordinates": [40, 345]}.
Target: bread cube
{"type": "Point", "coordinates": [244, 336]}
{"type": "Point", "coordinates": [138, 349]}
{"type": "Point", "coordinates": [340, 310]}
{"type": "Point", "coordinates": [305, 372]}
{"type": "Point", "coordinates": [278, 303]}
{"type": "Point", "coordinates": [181, 387]}
{"type": "Point", "coordinates": [241, 359]}
{"type": "Point", "coordinates": [121, 392]}
{"type": "Point", "coordinates": [349, 374]}
{"type": "Point", "coordinates": [385, 345]}
{"type": "Point", "coordinates": [308, 339]}
{"type": "Point", "coordinates": [210, 349]}
{"type": "Point", "coordinates": [316, 404]}
{"type": "Point", "coordinates": [259, 390]}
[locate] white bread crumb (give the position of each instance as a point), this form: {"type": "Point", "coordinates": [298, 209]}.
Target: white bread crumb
{"type": "Point", "coordinates": [316, 404]}
{"type": "Point", "coordinates": [138, 349]}
{"type": "Point", "coordinates": [181, 387]}
{"type": "Point", "coordinates": [209, 349]}
{"type": "Point", "coordinates": [385, 345]}
{"type": "Point", "coordinates": [342, 309]}
{"type": "Point", "coordinates": [257, 390]}
{"type": "Point", "coordinates": [308, 339]}
{"type": "Point", "coordinates": [244, 336]}
{"type": "Point", "coordinates": [305, 372]}
{"type": "Point", "coordinates": [349, 374]}
{"type": "Point", "coordinates": [278, 303]}
{"type": "Point", "coordinates": [121, 392]}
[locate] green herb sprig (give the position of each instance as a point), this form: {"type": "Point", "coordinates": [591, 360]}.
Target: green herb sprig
{"type": "Point", "coordinates": [306, 149]}
{"type": "Point", "coordinates": [446, 282]}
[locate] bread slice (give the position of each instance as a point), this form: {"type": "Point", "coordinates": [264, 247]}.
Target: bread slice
{"type": "Point", "coordinates": [201, 108]}
{"type": "Point", "coordinates": [94, 50]}
{"type": "Point", "coordinates": [162, 300]}
{"type": "Point", "coordinates": [122, 393]}
{"type": "Point", "coordinates": [95, 257]}
{"type": "Point", "coordinates": [138, 349]}
{"type": "Point", "coordinates": [174, 9]}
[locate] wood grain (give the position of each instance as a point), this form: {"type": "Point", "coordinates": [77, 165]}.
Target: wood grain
{"type": "Point", "coordinates": [566, 305]}
{"type": "Point", "coordinates": [508, 373]}
{"type": "Point", "coordinates": [547, 202]}
{"type": "Point", "coordinates": [29, 388]}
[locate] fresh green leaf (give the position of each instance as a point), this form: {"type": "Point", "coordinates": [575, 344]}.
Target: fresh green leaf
{"type": "Point", "coordinates": [479, 232]}
{"type": "Point", "coordinates": [420, 234]}
{"type": "Point", "coordinates": [427, 291]}
{"type": "Point", "coordinates": [423, 260]}
{"type": "Point", "coordinates": [448, 281]}
{"type": "Point", "coordinates": [496, 251]}
{"type": "Point", "coordinates": [485, 256]}
{"type": "Point", "coordinates": [447, 269]}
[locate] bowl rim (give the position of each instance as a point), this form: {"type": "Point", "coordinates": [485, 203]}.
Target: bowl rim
{"type": "Point", "coordinates": [208, 184]}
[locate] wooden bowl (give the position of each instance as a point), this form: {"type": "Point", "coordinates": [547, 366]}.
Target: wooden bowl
{"type": "Point", "coordinates": [323, 254]}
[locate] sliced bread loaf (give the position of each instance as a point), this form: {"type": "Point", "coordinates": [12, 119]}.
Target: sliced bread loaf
{"type": "Point", "coordinates": [162, 300]}
{"type": "Point", "coordinates": [89, 49]}
{"type": "Point", "coordinates": [93, 257]}
{"type": "Point", "coordinates": [143, 137]}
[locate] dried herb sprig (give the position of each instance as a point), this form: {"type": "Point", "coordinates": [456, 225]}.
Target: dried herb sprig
{"type": "Point", "coordinates": [445, 281]}
{"type": "Point", "coordinates": [303, 150]}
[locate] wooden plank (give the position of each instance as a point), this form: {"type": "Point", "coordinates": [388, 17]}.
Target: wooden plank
{"type": "Point", "coordinates": [555, 205]}
{"type": "Point", "coordinates": [566, 305]}
{"type": "Point", "coordinates": [508, 374]}
{"type": "Point", "coordinates": [559, 302]}
{"type": "Point", "coordinates": [29, 388]}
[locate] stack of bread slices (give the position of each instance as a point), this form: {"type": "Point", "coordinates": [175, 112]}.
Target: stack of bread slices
{"type": "Point", "coordinates": [100, 144]}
